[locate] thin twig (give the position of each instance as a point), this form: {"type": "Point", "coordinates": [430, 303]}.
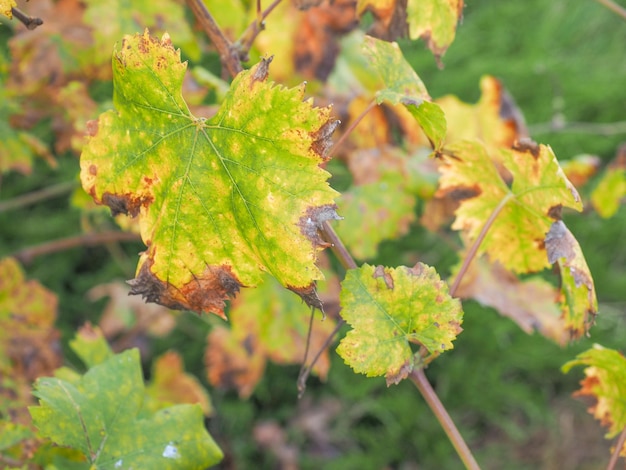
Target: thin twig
{"type": "Point", "coordinates": [418, 377]}
{"type": "Point", "coordinates": [593, 128]}
{"type": "Point", "coordinates": [89, 239]}
{"type": "Point", "coordinates": [618, 449]}
{"type": "Point", "coordinates": [479, 239]}
{"type": "Point", "coordinates": [37, 196]}
{"type": "Point", "coordinates": [247, 38]}
{"type": "Point", "coordinates": [345, 258]}
{"type": "Point", "coordinates": [228, 54]}
{"type": "Point", "coordinates": [614, 7]}
{"type": "Point", "coordinates": [31, 22]}
{"type": "Point", "coordinates": [350, 128]}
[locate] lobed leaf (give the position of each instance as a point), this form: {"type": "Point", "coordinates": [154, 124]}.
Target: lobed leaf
{"type": "Point", "coordinates": [528, 205]}
{"type": "Point", "coordinates": [390, 308]}
{"type": "Point", "coordinates": [98, 415]}
{"type": "Point", "coordinates": [222, 200]}
{"type": "Point", "coordinates": [434, 21]}
{"type": "Point", "coordinates": [405, 87]}
{"type": "Point", "coordinates": [605, 381]}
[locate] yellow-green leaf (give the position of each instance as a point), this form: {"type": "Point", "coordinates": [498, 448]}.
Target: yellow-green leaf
{"type": "Point", "coordinates": [527, 205]}
{"type": "Point", "coordinates": [605, 381]}
{"type": "Point", "coordinates": [391, 308]}
{"type": "Point", "coordinates": [6, 6]}
{"type": "Point", "coordinates": [434, 21]}
{"type": "Point", "coordinates": [220, 201]}
{"type": "Point", "coordinates": [608, 194]}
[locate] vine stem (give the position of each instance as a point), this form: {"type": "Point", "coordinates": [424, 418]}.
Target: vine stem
{"type": "Point", "coordinates": [253, 30]}
{"type": "Point", "coordinates": [418, 377]}
{"type": "Point", "coordinates": [228, 54]}
{"type": "Point", "coordinates": [618, 448]}
{"type": "Point", "coordinates": [31, 22]}
{"type": "Point", "coordinates": [350, 129]}
{"type": "Point", "coordinates": [479, 239]}
{"type": "Point", "coordinates": [89, 239]}
{"type": "Point", "coordinates": [36, 196]}
{"type": "Point", "coordinates": [614, 7]}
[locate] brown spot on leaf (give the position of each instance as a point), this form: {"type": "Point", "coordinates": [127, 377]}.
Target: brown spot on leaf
{"type": "Point", "coordinates": [126, 203]}
{"type": "Point", "coordinates": [527, 145]}
{"type": "Point", "coordinates": [206, 293]}
{"type": "Point", "coordinates": [560, 243]}
{"type": "Point", "coordinates": [402, 373]}
{"type": "Point", "coordinates": [92, 127]}
{"type": "Point", "coordinates": [93, 170]}
{"type": "Point", "coordinates": [321, 138]}
{"type": "Point", "coordinates": [262, 70]}
{"type": "Point", "coordinates": [460, 193]}
{"type": "Point", "coordinates": [312, 221]}
{"type": "Point", "coordinates": [555, 212]}
{"type": "Point", "coordinates": [379, 272]}
{"type": "Point", "coordinates": [309, 296]}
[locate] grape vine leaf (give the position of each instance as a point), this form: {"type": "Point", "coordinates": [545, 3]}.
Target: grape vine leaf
{"type": "Point", "coordinates": [432, 20]}
{"type": "Point", "coordinates": [390, 308]}
{"type": "Point", "coordinates": [538, 191]}
{"type": "Point", "coordinates": [608, 194]}
{"type": "Point", "coordinates": [605, 380]}
{"type": "Point", "coordinates": [170, 385]}
{"type": "Point", "coordinates": [405, 87]}
{"type": "Point", "coordinates": [374, 212]}
{"type": "Point", "coordinates": [267, 323]}
{"type": "Point", "coordinates": [100, 416]}
{"type": "Point", "coordinates": [5, 7]}
{"type": "Point", "coordinates": [221, 200]}
{"type": "Point", "coordinates": [581, 168]}
{"type": "Point", "coordinates": [495, 119]}
{"type": "Point", "coordinates": [578, 304]}
{"type": "Point", "coordinates": [529, 302]}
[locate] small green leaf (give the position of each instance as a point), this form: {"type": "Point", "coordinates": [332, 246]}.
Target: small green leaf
{"type": "Point", "coordinates": [390, 308]}
{"type": "Point", "coordinates": [220, 201]}
{"type": "Point", "coordinates": [606, 382]}
{"type": "Point", "coordinates": [405, 87]}
{"type": "Point", "coordinates": [538, 191]}
{"type": "Point", "coordinates": [98, 417]}
{"type": "Point", "coordinates": [91, 346]}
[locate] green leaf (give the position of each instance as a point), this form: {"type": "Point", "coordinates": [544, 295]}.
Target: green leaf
{"type": "Point", "coordinates": [538, 191]}
{"type": "Point", "coordinates": [578, 304]}
{"type": "Point", "coordinates": [608, 194]}
{"type": "Point", "coordinates": [405, 87]}
{"type": "Point", "coordinates": [434, 21]}
{"type": "Point", "coordinates": [606, 382]}
{"type": "Point", "coordinates": [98, 417]}
{"type": "Point", "coordinates": [222, 200]}
{"type": "Point", "coordinates": [390, 308]}
{"type": "Point", "coordinates": [91, 346]}
{"type": "Point", "coordinates": [374, 212]}
{"type": "Point", "coordinates": [12, 434]}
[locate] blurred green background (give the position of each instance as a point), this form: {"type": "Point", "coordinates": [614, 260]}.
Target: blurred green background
{"type": "Point", "coordinates": [561, 60]}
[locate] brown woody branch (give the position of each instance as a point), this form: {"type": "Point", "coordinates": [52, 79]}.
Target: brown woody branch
{"type": "Point", "coordinates": [30, 22]}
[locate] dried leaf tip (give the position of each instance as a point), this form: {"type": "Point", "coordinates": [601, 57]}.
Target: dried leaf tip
{"type": "Point", "coordinates": [261, 70]}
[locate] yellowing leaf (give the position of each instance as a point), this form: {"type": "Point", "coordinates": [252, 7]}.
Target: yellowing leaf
{"type": "Point", "coordinates": [494, 119]}
{"type": "Point", "coordinates": [529, 303]}
{"type": "Point", "coordinates": [390, 308]}
{"type": "Point", "coordinates": [100, 416]}
{"type": "Point", "coordinates": [220, 201]}
{"type": "Point", "coordinates": [611, 190]}
{"type": "Point", "coordinates": [538, 191]}
{"type": "Point", "coordinates": [266, 323]}
{"type": "Point", "coordinates": [5, 7]}
{"type": "Point", "coordinates": [405, 87]}
{"type": "Point", "coordinates": [374, 212]}
{"type": "Point", "coordinates": [581, 168]}
{"type": "Point", "coordinates": [605, 381]}
{"type": "Point", "coordinates": [434, 21]}
{"type": "Point", "coordinates": [579, 304]}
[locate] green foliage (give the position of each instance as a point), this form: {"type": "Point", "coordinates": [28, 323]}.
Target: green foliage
{"type": "Point", "coordinates": [391, 308]}
{"type": "Point", "coordinates": [100, 414]}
